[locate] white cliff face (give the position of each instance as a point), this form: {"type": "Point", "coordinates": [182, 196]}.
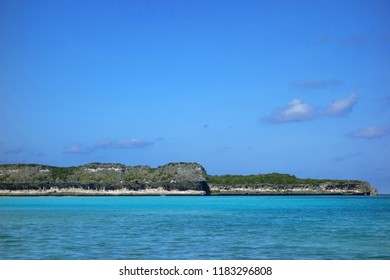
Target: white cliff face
{"type": "Point", "coordinates": [184, 171]}
{"type": "Point", "coordinates": [100, 169]}
{"type": "Point", "coordinates": [74, 191]}
{"type": "Point", "coordinates": [299, 189]}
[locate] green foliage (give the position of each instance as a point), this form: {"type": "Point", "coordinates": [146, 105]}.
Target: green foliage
{"type": "Point", "coordinates": [24, 165]}
{"type": "Point", "coordinates": [62, 173]}
{"type": "Point", "coordinates": [4, 178]}
{"type": "Point", "coordinates": [130, 178]}
{"type": "Point", "coordinates": [272, 178]}
{"type": "Point", "coordinates": [117, 173]}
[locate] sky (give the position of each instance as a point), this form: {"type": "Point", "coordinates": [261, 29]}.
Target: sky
{"type": "Point", "coordinates": [241, 87]}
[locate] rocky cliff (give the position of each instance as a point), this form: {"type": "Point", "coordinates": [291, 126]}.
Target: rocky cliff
{"type": "Point", "coordinates": [170, 179]}
{"type": "Point", "coordinates": [327, 188]}
{"type": "Point", "coordinates": [285, 184]}
{"type": "Point", "coordinates": [103, 179]}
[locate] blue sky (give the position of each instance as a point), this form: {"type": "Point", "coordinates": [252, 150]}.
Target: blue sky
{"type": "Point", "coordinates": [242, 87]}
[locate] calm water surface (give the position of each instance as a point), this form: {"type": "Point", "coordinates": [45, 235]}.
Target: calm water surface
{"type": "Point", "coordinates": [237, 227]}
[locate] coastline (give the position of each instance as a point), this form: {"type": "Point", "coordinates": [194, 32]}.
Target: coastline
{"type": "Point", "coordinates": [117, 192]}
{"type": "Point", "coordinates": [164, 192]}
{"type": "Point", "coordinates": [173, 179]}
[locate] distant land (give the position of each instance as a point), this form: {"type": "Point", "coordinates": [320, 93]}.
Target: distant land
{"type": "Point", "coordinates": [170, 179]}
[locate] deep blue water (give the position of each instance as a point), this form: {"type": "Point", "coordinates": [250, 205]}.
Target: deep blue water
{"type": "Point", "coordinates": [236, 227]}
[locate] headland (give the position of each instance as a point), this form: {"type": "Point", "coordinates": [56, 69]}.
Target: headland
{"type": "Point", "coordinates": [170, 179]}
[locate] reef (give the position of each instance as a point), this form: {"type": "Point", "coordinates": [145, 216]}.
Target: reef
{"type": "Point", "coordinates": [170, 179]}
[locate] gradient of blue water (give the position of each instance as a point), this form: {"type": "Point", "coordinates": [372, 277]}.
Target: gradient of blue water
{"type": "Point", "coordinates": [237, 227]}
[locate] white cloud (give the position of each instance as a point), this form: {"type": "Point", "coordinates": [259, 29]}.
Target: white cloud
{"type": "Point", "coordinates": [76, 149]}
{"type": "Point", "coordinates": [103, 143]}
{"type": "Point", "coordinates": [386, 99]}
{"type": "Point", "coordinates": [341, 107]}
{"type": "Point", "coordinates": [311, 84]}
{"type": "Point", "coordinates": [132, 143]}
{"type": "Point", "coordinates": [295, 111]}
{"type": "Point", "coordinates": [107, 144]}
{"type": "Point", "coordinates": [355, 40]}
{"type": "Point", "coordinates": [347, 156]}
{"type": "Point", "coordinates": [14, 151]}
{"type": "Point", "coordinates": [371, 132]}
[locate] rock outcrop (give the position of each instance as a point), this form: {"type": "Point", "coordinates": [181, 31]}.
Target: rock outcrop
{"type": "Point", "coordinates": [327, 188]}
{"type": "Point", "coordinates": [103, 179]}
{"type": "Point", "coordinates": [285, 184]}
{"type": "Point", "coordinates": [169, 179]}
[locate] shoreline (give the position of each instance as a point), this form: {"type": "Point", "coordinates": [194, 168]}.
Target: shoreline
{"type": "Point", "coordinates": [119, 192]}
{"type": "Point", "coordinates": [173, 179]}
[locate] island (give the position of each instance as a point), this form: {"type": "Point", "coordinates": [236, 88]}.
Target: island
{"type": "Point", "coordinates": [170, 179]}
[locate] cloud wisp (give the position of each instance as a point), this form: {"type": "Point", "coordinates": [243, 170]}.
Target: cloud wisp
{"type": "Point", "coordinates": [295, 111]}
{"type": "Point", "coordinates": [14, 151]}
{"type": "Point", "coordinates": [298, 111]}
{"type": "Point", "coordinates": [347, 156]}
{"type": "Point", "coordinates": [371, 132]}
{"type": "Point", "coordinates": [108, 144]}
{"type": "Point", "coordinates": [355, 40]}
{"type": "Point", "coordinates": [311, 84]}
{"type": "Point", "coordinates": [386, 99]}
{"type": "Point", "coordinates": [341, 107]}
{"type": "Point", "coordinates": [132, 143]}
{"type": "Point", "coordinates": [77, 149]}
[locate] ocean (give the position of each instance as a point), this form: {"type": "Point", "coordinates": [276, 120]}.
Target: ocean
{"type": "Point", "coordinates": [195, 227]}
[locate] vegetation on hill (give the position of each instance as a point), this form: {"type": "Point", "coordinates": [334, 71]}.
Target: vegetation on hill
{"type": "Point", "coordinates": [115, 173]}
{"type": "Point", "coordinates": [272, 178]}
{"type": "Point", "coordinates": [100, 173]}
{"type": "Point", "coordinates": [177, 176]}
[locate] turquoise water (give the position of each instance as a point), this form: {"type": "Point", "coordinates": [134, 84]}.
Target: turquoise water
{"type": "Point", "coordinates": [237, 227]}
